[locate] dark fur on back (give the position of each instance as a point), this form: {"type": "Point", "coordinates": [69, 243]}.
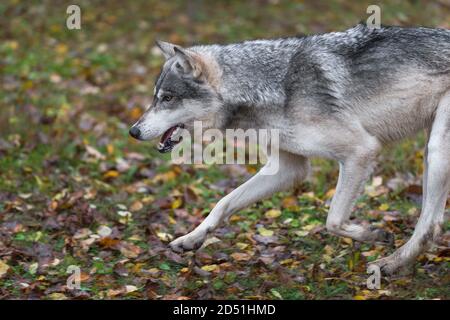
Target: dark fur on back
{"type": "Point", "coordinates": [358, 63]}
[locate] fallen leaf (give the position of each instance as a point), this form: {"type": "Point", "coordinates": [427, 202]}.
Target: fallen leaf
{"type": "Point", "coordinates": [136, 206]}
{"type": "Point", "coordinates": [129, 250]}
{"type": "Point", "coordinates": [3, 268]}
{"type": "Point", "coordinates": [265, 232]}
{"type": "Point", "coordinates": [33, 268]}
{"type": "Point", "coordinates": [289, 202]}
{"type": "Point", "coordinates": [104, 231]}
{"type": "Point", "coordinates": [129, 288]}
{"type": "Point", "coordinates": [111, 174]}
{"type": "Point", "coordinates": [114, 292]}
{"type": "Point", "coordinates": [265, 239]}
{"type": "Point", "coordinates": [108, 242]}
{"type": "Point", "coordinates": [301, 233]}
{"type": "Point", "coordinates": [276, 294]}
{"type": "Point", "coordinates": [57, 296]}
{"type": "Point", "coordinates": [273, 213]}
{"type": "Point", "coordinates": [210, 267]}
{"type": "Point", "coordinates": [210, 240]}
{"type": "Point", "coordinates": [240, 256]}
{"type": "Point", "coordinates": [95, 153]}
{"type": "Point", "coordinates": [178, 202]}
{"type": "Point", "coordinates": [242, 245]}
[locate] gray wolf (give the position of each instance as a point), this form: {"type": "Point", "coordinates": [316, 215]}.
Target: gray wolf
{"type": "Point", "coordinates": [340, 95]}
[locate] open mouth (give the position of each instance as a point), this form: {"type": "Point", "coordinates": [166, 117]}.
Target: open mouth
{"type": "Point", "coordinates": [170, 138]}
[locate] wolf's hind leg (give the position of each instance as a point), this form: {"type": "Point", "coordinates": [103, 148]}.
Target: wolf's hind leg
{"type": "Point", "coordinates": [354, 172]}
{"type": "Point", "coordinates": [437, 180]}
{"type": "Point", "coordinates": [291, 170]}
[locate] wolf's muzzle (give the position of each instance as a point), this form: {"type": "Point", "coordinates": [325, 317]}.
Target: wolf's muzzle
{"type": "Point", "coordinates": [135, 133]}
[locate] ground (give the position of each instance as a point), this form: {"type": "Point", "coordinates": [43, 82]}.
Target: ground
{"type": "Point", "coordinates": [76, 190]}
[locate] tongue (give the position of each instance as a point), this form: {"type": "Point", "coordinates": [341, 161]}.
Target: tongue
{"type": "Point", "coordinates": [167, 134]}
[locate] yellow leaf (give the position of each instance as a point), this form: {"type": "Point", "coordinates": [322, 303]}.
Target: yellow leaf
{"type": "Point", "coordinates": [164, 177]}
{"type": "Point", "coordinates": [172, 220]}
{"type": "Point", "coordinates": [289, 202]}
{"type": "Point", "coordinates": [61, 49]}
{"type": "Point", "coordinates": [311, 226]}
{"type": "Point", "coordinates": [265, 232]}
{"type": "Point", "coordinates": [328, 249]}
{"type": "Point", "coordinates": [241, 245]}
{"type": "Point", "coordinates": [57, 296]}
{"type": "Point", "coordinates": [12, 44]}
{"type": "Point", "coordinates": [3, 268]}
{"type": "Point", "coordinates": [164, 236]}
{"type": "Point", "coordinates": [383, 207]}
{"type": "Point", "coordinates": [153, 270]}
{"type": "Point", "coordinates": [348, 241]}
{"type": "Point", "coordinates": [137, 267]}
{"type": "Point", "coordinates": [210, 267]}
{"type": "Point", "coordinates": [273, 213]}
{"type": "Point", "coordinates": [177, 203]}
{"type": "Point", "coordinates": [148, 199]}
{"type": "Point", "coordinates": [111, 174]}
{"type": "Point", "coordinates": [286, 261]}
{"type": "Point", "coordinates": [359, 298]}
{"type": "Point", "coordinates": [110, 149]}
{"type": "Point", "coordinates": [234, 218]}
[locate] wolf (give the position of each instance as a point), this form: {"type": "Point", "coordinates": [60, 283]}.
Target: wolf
{"type": "Point", "coordinates": [339, 95]}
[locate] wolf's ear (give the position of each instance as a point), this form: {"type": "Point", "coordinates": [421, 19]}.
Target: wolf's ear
{"type": "Point", "coordinates": [167, 48]}
{"type": "Point", "coordinates": [189, 63]}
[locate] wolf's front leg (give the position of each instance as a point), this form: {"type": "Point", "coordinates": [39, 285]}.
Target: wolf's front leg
{"type": "Point", "coordinates": [291, 170]}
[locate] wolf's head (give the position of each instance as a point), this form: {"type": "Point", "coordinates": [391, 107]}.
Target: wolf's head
{"type": "Point", "coordinates": [185, 91]}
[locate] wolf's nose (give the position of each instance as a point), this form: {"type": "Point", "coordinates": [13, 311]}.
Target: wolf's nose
{"type": "Point", "coordinates": [135, 132]}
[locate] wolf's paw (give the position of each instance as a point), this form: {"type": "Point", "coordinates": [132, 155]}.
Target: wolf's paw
{"type": "Point", "coordinates": [387, 265]}
{"type": "Point", "coordinates": [191, 241]}
{"type": "Point", "coordinates": [393, 265]}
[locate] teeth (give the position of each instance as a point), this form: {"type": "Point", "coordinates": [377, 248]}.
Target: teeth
{"type": "Point", "coordinates": [174, 135]}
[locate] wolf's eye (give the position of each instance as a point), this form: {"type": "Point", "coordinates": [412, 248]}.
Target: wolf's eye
{"type": "Point", "coordinates": [166, 98]}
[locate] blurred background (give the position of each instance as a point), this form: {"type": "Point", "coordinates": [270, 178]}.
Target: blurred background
{"type": "Point", "coordinates": [76, 190]}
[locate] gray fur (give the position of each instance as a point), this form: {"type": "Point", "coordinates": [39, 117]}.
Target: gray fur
{"type": "Point", "coordinates": [338, 95]}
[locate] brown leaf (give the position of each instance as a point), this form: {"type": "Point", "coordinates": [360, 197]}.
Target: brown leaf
{"type": "Point", "coordinates": [240, 256]}
{"type": "Point", "coordinates": [108, 243]}
{"type": "Point", "coordinates": [289, 202]}
{"type": "Point", "coordinates": [136, 206]}
{"type": "Point", "coordinates": [129, 250]}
